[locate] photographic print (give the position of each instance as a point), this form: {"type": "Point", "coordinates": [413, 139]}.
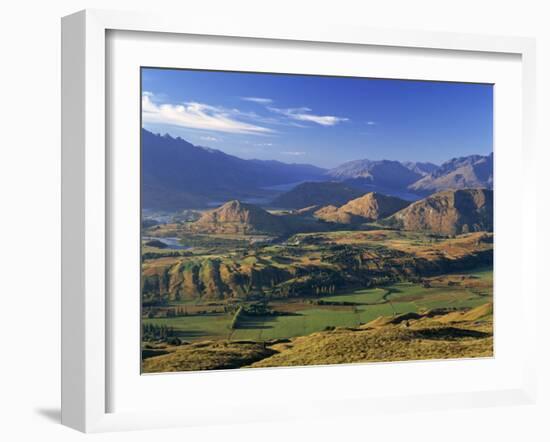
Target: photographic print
{"type": "Point", "coordinates": [303, 220]}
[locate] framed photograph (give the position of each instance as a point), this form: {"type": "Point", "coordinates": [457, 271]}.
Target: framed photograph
{"type": "Point", "coordinates": [292, 222]}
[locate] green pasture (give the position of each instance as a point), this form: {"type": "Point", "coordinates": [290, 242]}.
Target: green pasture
{"type": "Point", "coordinates": [197, 328]}
{"type": "Point", "coordinates": [369, 305]}
{"type": "Point", "coordinates": [362, 296]}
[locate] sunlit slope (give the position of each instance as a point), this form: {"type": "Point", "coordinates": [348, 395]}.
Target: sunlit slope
{"type": "Point", "coordinates": [405, 338]}
{"type": "Point", "coordinates": [307, 263]}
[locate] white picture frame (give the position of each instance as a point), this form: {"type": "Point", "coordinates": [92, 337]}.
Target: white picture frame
{"type": "Point", "coordinates": [85, 208]}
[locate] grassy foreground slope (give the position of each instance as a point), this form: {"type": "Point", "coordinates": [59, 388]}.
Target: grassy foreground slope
{"type": "Point", "coordinates": [405, 340]}
{"type": "Point", "coordinates": [208, 356]}
{"type": "Point", "coordinates": [411, 336]}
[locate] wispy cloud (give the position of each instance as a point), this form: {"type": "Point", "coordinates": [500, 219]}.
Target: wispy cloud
{"type": "Point", "coordinates": [258, 100]}
{"type": "Point", "coordinates": [371, 123]}
{"type": "Point", "coordinates": [304, 114]}
{"type": "Point", "coordinates": [195, 115]}
{"type": "Point", "coordinates": [209, 138]}
{"type": "Point", "coordinates": [294, 153]}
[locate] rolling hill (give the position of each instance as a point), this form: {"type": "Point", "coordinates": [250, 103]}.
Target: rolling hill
{"type": "Point", "coordinates": [237, 217]}
{"type": "Point", "coordinates": [361, 258]}
{"type": "Point", "coordinates": [332, 214]}
{"type": "Point", "coordinates": [373, 206]}
{"type": "Point", "coordinates": [449, 212]}
{"type": "Point", "coordinates": [369, 207]}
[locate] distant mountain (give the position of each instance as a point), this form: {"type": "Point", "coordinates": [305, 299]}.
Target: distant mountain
{"type": "Point", "coordinates": [421, 168]}
{"type": "Point", "coordinates": [412, 180]}
{"type": "Point", "coordinates": [383, 173]}
{"type": "Point", "coordinates": [449, 212]}
{"type": "Point", "coordinates": [370, 207]}
{"type": "Point", "coordinates": [237, 217]}
{"type": "Point", "coordinates": [316, 193]}
{"type": "Point", "coordinates": [459, 173]}
{"type": "Point", "coordinates": [283, 172]}
{"type": "Point", "coordinates": [177, 174]}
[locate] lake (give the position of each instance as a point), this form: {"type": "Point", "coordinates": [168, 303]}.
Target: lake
{"type": "Point", "coordinates": [172, 242]}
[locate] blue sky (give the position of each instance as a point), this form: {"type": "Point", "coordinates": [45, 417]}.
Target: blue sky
{"type": "Point", "coordinates": [319, 120]}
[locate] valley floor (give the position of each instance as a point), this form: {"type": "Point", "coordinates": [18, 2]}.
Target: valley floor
{"type": "Point", "coordinates": [445, 316]}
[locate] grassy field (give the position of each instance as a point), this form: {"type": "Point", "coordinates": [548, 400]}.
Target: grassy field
{"type": "Point", "coordinates": [464, 290]}
{"type": "Point", "coordinates": [446, 335]}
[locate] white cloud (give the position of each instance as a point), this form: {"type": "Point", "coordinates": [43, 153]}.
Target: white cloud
{"type": "Point", "coordinates": [197, 116]}
{"type": "Point", "coordinates": [371, 123]}
{"type": "Point", "coordinates": [304, 114]}
{"type": "Point", "coordinates": [258, 100]}
{"type": "Point", "coordinates": [209, 138]}
{"type": "Point", "coordinates": [294, 153]}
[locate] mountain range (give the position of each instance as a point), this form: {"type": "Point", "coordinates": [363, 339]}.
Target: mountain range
{"type": "Point", "coordinates": [421, 168]}
{"type": "Point", "coordinates": [178, 175]}
{"type": "Point", "coordinates": [458, 173]}
{"type": "Point", "coordinates": [383, 173]}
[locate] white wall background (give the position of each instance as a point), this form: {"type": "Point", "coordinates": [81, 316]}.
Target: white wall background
{"type": "Point", "coordinates": [30, 214]}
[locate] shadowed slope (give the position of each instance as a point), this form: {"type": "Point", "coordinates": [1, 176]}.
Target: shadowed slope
{"type": "Point", "coordinates": [319, 193]}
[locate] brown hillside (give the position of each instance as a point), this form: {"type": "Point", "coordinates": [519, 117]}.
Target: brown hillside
{"type": "Point", "coordinates": [449, 212]}
{"type": "Point", "coordinates": [236, 217]}
{"type": "Point", "coordinates": [476, 314]}
{"type": "Point", "coordinates": [333, 215]}
{"type": "Point", "coordinates": [286, 273]}
{"type": "Point", "coordinates": [373, 206]}
{"type": "Point", "coordinates": [369, 207]}
{"type": "Point", "coordinates": [419, 341]}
